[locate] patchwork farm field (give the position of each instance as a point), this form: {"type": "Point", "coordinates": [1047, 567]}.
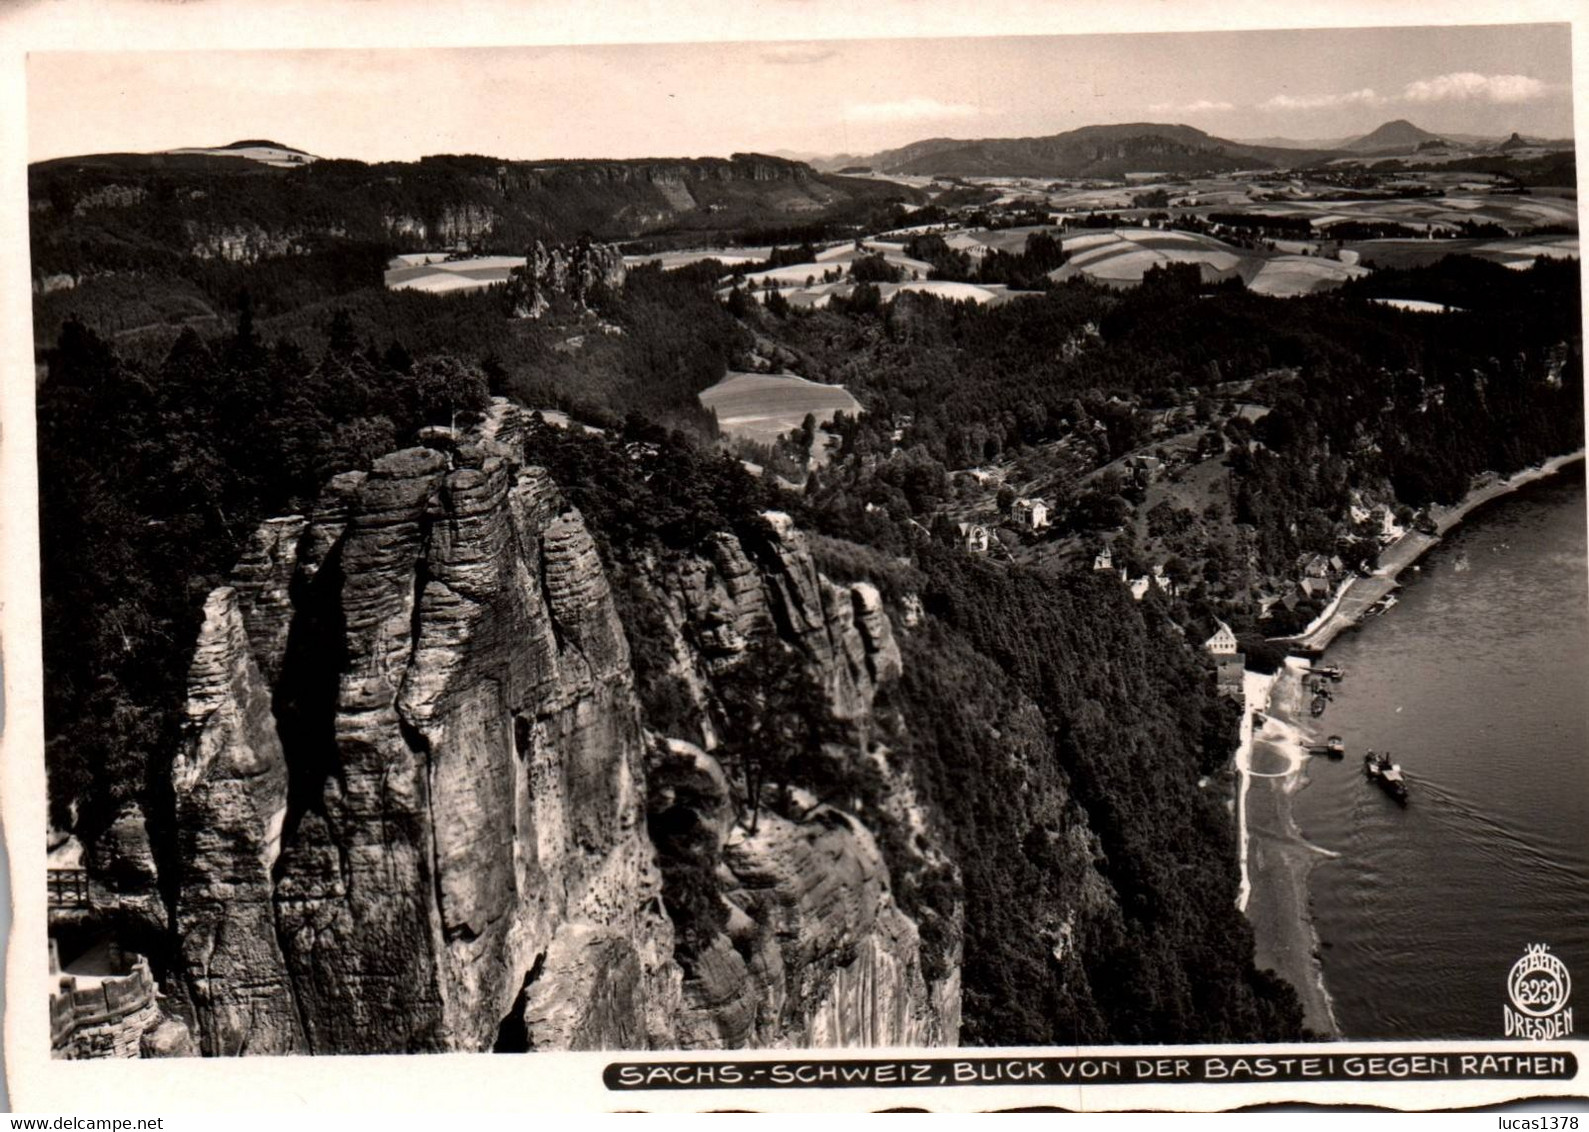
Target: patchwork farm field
{"type": "Point", "coordinates": [1519, 253]}
{"type": "Point", "coordinates": [1124, 255]}
{"type": "Point", "coordinates": [684, 257]}
{"type": "Point", "coordinates": [763, 406]}
{"type": "Point", "coordinates": [429, 271]}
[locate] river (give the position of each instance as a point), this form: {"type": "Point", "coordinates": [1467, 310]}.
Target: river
{"type": "Point", "coordinates": [1477, 682]}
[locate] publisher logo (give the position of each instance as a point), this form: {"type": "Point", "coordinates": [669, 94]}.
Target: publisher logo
{"type": "Point", "coordinates": [1539, 987]}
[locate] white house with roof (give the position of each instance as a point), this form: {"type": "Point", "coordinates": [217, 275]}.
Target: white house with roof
{"type": "Point", "coordinates": [1227, 659]}
{"type": "Point", "coordinates": [1223, 642]}
{"type": "Point", "coordinates": [1030, 513]}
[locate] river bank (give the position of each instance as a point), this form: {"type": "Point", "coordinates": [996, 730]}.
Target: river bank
{"type": "Point", "coordinates": [1275, 858]}
{"type": "Point", "coordinates": [1353, 599]}
{"type": "Point", "coordinates": [1474, 682]}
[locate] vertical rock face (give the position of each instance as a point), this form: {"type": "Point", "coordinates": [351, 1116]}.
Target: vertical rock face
{"type": "Point", "coordinates": [123, 879]}
{"type": "Point", "coordinates": [573, 271]}
{"type": "Point", "coordinates": [230, 782]}
{"type": "Point", "coordinates": [816, 951]}
{"type": "Point", "coordinates": [413, 799]}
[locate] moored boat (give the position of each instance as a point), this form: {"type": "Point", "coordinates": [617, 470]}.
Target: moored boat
{"type": "Point", "coordinates": [1380, 606]}
{"type": "Point", "coordinates": [1334, 747]}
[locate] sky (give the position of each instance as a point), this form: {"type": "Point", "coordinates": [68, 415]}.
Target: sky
{"type": "Point", "coordinates": [838, 96]}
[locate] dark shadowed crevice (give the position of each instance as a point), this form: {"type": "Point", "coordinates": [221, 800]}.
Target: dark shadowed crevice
{"type": "Point", "coordinates": [306, 694]}
{"type": "Point", "coordinates": [513, 1035]}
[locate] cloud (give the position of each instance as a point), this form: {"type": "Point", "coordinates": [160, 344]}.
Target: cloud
{"type": "Point", "coordinates": [1469, 86]}
{"type": "Point", "coordinates": [1458, 86]}
{"type": "Point", "coordinates": [1365, 97]}
{"type": "Point", "coordinates": [1201, 106]}
{"type": "Point", "coordinates": [798, 54]}
{"type": "Point", "coordinates": [911, 110]}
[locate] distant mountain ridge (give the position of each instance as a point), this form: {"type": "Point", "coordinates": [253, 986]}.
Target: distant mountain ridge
{"type": "Point", "coordinates": [1091, 151]}
{"type": "Point", "coordinates": [1154, 147]}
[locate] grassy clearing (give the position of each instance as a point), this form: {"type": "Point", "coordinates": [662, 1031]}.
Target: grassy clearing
{"type": "Point", "coordinates": [450, 275]}
{"type": "Point", "coordinates": [763, 406]}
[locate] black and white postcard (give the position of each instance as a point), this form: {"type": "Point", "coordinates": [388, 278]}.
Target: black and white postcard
{"type": "Point", "coordinates": [791, 560]}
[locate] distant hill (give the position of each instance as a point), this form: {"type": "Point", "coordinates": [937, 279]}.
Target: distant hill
{"type": "Point", "coordinates": [1400, 136]}
{"type": "Point", "coordinates": [263, 151]}
{"type": "Point", "coordinates": [174, 203]}
{"type": "Point", "coordinates": [133, 241]}
{"type": "Point", "coordinates": [1092, 151]}
{"type": "Point", "coordinates": [1313, 144]}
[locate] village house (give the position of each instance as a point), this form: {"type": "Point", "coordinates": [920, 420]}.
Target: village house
{"type": "Point", "coordinates": [974, 536]}
{"type": "Point", "coordinates": [1228, 660]}
{"type": "Point", "coordinates": [1223, 642]}
{"type": "Point", "coordinates": [1388, 530]}
{"type": "Point", "coordinates": [1104, 560]}
{"type": "Point", "coordinates": [1030, 513]}
{"type": "Point", "coordinates": [1146, 469]}
{"type": "Point", "coordinates": [1316, 587]}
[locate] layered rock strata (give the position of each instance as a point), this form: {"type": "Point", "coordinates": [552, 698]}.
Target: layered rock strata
{"type": "Point", "coordinates": [412, 799]}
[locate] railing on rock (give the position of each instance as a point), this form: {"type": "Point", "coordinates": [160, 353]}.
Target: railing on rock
{"type": "Point", "coordinates": [111, 999]}
{"type": "Point", "coordinates": [68, 888]}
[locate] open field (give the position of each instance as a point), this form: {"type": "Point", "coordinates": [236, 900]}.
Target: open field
{"type": "Point", "coordinates": [1287, 275]}
{"type": "Point", "coordinates": [423, 272]}
{"type": "Point", "coordinates": [1464, 203]}
{"type": "Point", "coordinates": [1124, 255]}
{"type": "Point", "coordinates": [764, 406]}
{"type": "Point", "coordinates": [1519, 253]}
{"type": "Point", "coordinates": [1417, 306]}
{"type": "Point", "coordinates": [686, 256]}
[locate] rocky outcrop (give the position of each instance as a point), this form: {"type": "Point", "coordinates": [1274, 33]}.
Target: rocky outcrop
{"type": "Point", "coordinates": [573, 271]}
{"type": "Point", "coordinates": [413, 798]}
{"type": "Point", "coordinates": [123, 878]}
{"type": "Point", "coordinates": [816, 952]}
{"type": "Point", "coordinates": [457, 225]}
{"type": "Point", "coordinates": [719, 601]}
{"type": "Point", "coordinates": [242, 243]}
{"type": "Point", "coordinates": [230, 783]}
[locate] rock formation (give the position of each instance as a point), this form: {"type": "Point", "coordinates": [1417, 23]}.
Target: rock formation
{"type": "Point", "coordinates": [412, 802]}
{"type": "Point", "coordinates": [573, 271]}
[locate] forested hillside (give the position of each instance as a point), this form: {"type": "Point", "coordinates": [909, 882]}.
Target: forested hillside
{"type": "Point", "coordinates": [136, 242]}
{"type": "Point", "coordinates": [1042, 762]}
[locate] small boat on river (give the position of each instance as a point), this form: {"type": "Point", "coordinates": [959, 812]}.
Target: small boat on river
{"type": "Point", "coordinates": [1386, 774]}
{"type": "Point", "coordinates": [1381, 606]}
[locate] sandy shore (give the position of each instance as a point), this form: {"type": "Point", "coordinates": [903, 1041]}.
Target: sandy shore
{"type": "Point", "coordinates": [1276, 860]}
{"type": "Point", "coordinates": [1272, 761]}
{"type": "Point", "coordinates": [1352, 601]}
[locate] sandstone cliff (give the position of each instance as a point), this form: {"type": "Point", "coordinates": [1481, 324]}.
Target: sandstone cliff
{"type": "Point", "coordinates": [414, 800]}
{"type": "Point", "coordinates": [572, 271]}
